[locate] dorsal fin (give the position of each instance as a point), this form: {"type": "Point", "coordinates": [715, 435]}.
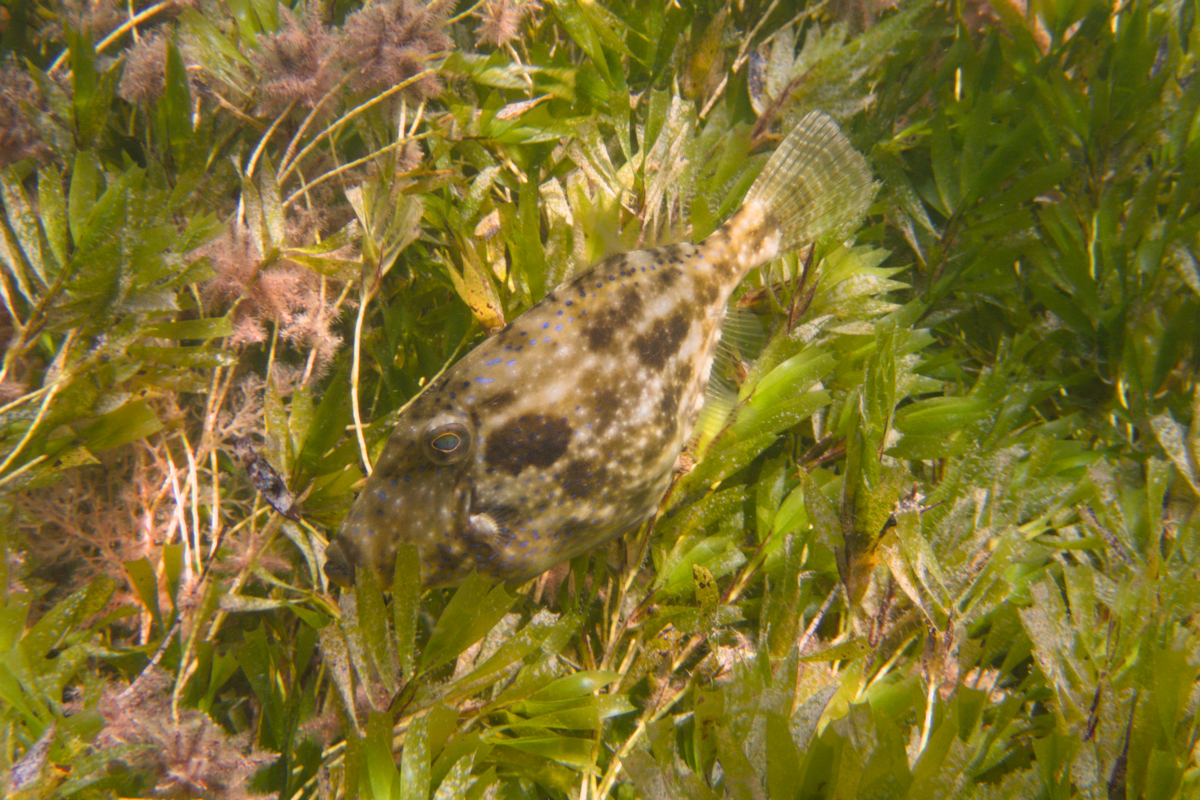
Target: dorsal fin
{"type": "Point", "coordinates": [814, 183]}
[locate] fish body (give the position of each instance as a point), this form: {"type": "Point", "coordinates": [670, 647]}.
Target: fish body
{"type": "Point", "coordinates": [561, 432]}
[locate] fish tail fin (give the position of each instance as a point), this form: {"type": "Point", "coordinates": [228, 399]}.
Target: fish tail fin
{"type": "Point", "coordinates": [814, 183]}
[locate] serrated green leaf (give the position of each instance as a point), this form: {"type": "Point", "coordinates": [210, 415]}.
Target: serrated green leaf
{"type": "Point", "coordinates": [13, 612]}
{"type": "Point", "coordinates": [279, 439]}
{"type": "Point", "coordinates": [24, 225]}
{"type": "Point", "coordinates": [337, 268]}
{"type": "Point", "coordinates": [855, 648]}
{"type": "Point", "coordinates": [1172, 437]}
{"type": "Point", "coordinates": [16, 695]}
{"type": "Point", "coordinates": [414, 761]}
{"type": "Point", "coordinates": [718, 554]}
{"type": "Point", "coordinates": [14, 262]}
{"type": "Point", "coordinates": [458, 781]}
{"type": "Point", "coordinates": [474, 610]}
{"type": "Point", "coordinates": [129, 423]}
{"type": "Point", "coordinates": [575, 685]}
{"type": "Point", "coordinates": [474, 286]}
{"type": "Point", "coordinates": [255, 657]}
{"type": "Point", "coordinates": [944, 174]}
{"type": "Point", "coordinates": [372, 622]}
{"type": "Point", "coordinates": [274, 224]}
{"type": "Point", "coordinates": [792, 515]}
{"type": "Point", "coordinates": [52, 206]}
{"type": "Point", "coordinates": [941, 416]}
{"type": "Point", "coordinates": [198, 357]}
{"type": "Point", "coordinates": [707, 592]}
{"type": "Point", "coordinates": [145, 583]}
{"type": "Point", "coordinates": [83, 83]}
{"type": "Point", "coordinates": [579, 26]}
{"type": "Point", "coordinates": [381, 778]}
{"type": "Point", "coordinates": [569, 750]}
{"type": "Point", "coordinates": [211, 328]}
{"type": "Point", "coordinates": [240, 603]}
{"type": "Point", "coordinates": [176, 101]}
{"type": "Point", "coordinates": [526, 641]}
{"type": "Point", "coordinates": [406, 592]}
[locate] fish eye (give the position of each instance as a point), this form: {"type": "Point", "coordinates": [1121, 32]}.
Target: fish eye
{"type": "Point", "coordinates": [447, 443]}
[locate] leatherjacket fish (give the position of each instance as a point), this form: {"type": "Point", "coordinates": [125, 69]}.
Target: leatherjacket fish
{"type": "Point", "coordinates": [561, 432]}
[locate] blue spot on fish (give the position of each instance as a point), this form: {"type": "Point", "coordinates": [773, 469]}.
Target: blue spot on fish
{"type": "Point", "coordinates": [558, 327]}
{"type": "Point", "coordinates": [512, 363]}
{"type": "Point", "coordinates": [494, 361]}
{"type": "Point", "coordinates": [545, 325]}
{"type": "Point", "coordinates": [488, 380]}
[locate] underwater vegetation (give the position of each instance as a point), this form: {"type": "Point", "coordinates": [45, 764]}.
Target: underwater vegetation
{"type": "Point", "coordinates": [936, 530]}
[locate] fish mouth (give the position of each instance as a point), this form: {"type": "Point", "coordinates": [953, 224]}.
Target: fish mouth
{"type": "Point", "coordinates": [339, 569]}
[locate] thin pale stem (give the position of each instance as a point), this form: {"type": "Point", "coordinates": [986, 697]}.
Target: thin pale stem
{"type": "Point", "coordinates": [469, 12]}
{"type": "Point", "coordinates": [193, 479]}
{"type": "Point", "coordinates": [809, 633]}
{"type": "Point", "coordinates": [308, 120]}
{"type": "Point", "coordinates": [660, 709]}
{"type": "Point", "coordinates": [269, 532]}
{"type": "Point", "coordinates": [23, 399]}
{"type": "Point", "coordinates": [266, 137]}
{"type": "Point", "coordinates": [58, 370]}
{"type": "Point", "coordinates": [927, 726]}
{"type": "Point", "coordinates": [339, 170]}
{"type": "Point", "coordinates": [354, 373]}
{"type": "Point", "coordinates": [744, 51]}
{"type": "Point", "coordinates": [289, 162]}
{"type": "Point", "coordinates": [117, 33]}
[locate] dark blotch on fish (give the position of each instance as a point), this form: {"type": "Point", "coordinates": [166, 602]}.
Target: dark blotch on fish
{"type": "Point", "coordinates": [667, 408]}
{"type": "Point", "coordinates": [668, 276]}
{"type": "Point", "coordinates": [500, 400]}
{"type": "Point", "coordinates": [532, 440]}
{"type": "Point", "coordinates": [583, 478]}
{"type": "Point", "coordinates": [602, 328]}
{"type": "Point", "coordinates": [630, 303]}
{"type": "Point", "coordinates": [663, 340]}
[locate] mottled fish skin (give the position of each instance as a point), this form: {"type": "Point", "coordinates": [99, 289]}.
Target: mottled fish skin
{"type": "Point", "coordinates": [561, 432]}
